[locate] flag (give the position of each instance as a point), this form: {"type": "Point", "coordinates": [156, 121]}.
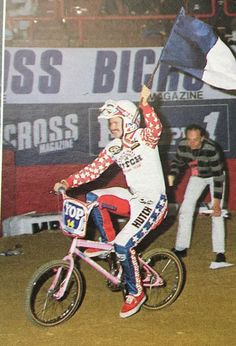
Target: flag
{"type": "Point", "coordinates": [194, 48]}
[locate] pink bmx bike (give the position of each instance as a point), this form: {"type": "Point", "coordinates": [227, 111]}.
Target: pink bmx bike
{"type": "Point", "coordinates": [56, 290]}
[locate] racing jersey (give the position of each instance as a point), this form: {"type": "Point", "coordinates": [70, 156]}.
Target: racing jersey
{"type": "Point", "coordinates": [139, 160]}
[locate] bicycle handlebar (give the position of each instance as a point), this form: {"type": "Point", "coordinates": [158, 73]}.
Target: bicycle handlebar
{"type": "Point", "coordinates": [62, 191]}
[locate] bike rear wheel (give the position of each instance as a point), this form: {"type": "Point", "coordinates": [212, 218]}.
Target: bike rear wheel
{"type": "Point", "coordinates": [170, 269]}
{"type": "Point", "coordinates": [41, 305]}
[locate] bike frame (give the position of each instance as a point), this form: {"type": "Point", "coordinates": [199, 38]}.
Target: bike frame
{"type": "Point", "coordinates": [78, 243]}
{"type": "Point", "coordinates": [116, 280]}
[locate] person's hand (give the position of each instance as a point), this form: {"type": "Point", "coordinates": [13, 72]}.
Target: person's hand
{"type": "Point", "coordinates": [144, 95]}
{"type": "Point", "coordinates": [171, 180]}
{"type": "Point", "coordinates": [216, 208]}
{"type": "Point", "coordinates": [60, 185]}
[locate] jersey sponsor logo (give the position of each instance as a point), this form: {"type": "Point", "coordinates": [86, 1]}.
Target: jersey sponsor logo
{"type": "Point", "coordinates": [127, 159]}
{"type": "Point", "coordinates": [115, 149]}
{"type": "Point", "coordinates": [135, 145]}
{"type": "Point", "coordinates": [129, 163]}
{"type": "Point", "coordinates": [142, 217]}
{"type": "Point", "coordinates": [142, 200]}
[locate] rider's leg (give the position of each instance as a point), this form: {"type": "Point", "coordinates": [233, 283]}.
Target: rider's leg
{"type": "Point", "coordinates": [97, 217]}
{"type": "Point", "coordinates": [144, 217]}
{"type": "Point", "coordinates": [108, 203]}
{"type": "Point", "coordinates": [115, 205]}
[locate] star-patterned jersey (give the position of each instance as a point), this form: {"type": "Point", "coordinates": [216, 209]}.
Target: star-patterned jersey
{"type": "Point", "coordinates": [139, 160]}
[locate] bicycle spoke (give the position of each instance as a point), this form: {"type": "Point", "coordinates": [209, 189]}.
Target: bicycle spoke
{"type": "Point", "coordinates": [42, 305]}
{"type": "Point", "coordinates": [169, 269]}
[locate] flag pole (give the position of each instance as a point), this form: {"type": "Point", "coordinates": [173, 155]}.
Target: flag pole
{"type": "Point", "coordinates": [150, 81]}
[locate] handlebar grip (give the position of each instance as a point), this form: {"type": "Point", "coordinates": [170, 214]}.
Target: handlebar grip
{"type": "Point", "coordinates": [62, 190]}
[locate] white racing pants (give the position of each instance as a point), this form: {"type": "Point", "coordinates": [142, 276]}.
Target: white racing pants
{"type": "Point", "coordinates": [144, 215]}
{"type": "Point", "coordinates": [195, 187]}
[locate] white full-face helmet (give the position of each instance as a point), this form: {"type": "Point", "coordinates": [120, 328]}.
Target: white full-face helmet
{"type": "Point", "coordinates": [125, 109]}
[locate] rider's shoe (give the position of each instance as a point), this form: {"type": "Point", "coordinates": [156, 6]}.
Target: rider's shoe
{"type": "Point", "coordinates": [132, 304]}
{"type": "Point", "coordinates": [92, 252]}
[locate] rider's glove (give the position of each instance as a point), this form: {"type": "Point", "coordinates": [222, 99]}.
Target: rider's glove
{"type": "Point", "coordinates": [61, 185]}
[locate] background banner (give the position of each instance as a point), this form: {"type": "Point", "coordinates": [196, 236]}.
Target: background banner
{"type": "Point", "coordinates": [80, 75]}
{"type": "Point", "coordinates": [71, 133]}
{"type": "Point", "coordinates": [52, 98]}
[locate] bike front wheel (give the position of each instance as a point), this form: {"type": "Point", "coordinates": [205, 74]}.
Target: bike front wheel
{"type": "Point", "coordinates": [42, 305]}
{"type": "Point", "coordinates": [170, 270]}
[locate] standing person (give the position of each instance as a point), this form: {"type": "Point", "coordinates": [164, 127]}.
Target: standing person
{"type": "Point", "coordinates": [135, 150]}
{"type": "Point", "coordinates": [203, 157]}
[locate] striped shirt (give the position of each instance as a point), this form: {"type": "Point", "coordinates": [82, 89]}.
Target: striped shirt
{"type": "Point", "coordinates": [205, 162]}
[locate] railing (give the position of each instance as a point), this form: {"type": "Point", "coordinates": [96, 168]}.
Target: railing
{"type": "Point", "coordinates": [60, 14]}
{"type": "Point", "coordinates": [228, 10]}
{"type": "Point", "coordinates": [55, 15]}
{"type": "Point", "coordinates": [81, 19]}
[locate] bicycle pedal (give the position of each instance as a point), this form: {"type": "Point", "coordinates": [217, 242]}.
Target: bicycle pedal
{"type": "Point", "coordinates": [103, 255]}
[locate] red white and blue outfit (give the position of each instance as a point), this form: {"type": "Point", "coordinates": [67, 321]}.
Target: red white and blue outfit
{"type": "Point", "coordinates": [144, 201]}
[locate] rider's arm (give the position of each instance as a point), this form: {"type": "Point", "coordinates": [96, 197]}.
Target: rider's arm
{"type": "Point", "coordinates": [91, 171]}
{"type": "Point", "coordinates": [152, 132]}
{"type": "Point", "coordinates": [88, 173]}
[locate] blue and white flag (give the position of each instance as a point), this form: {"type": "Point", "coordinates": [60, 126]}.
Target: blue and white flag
{"type": "Point", "coordinates": [194, 48]}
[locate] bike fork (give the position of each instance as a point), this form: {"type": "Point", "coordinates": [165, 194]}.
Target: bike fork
{"type": "Point", "coordinates": [60, 292]}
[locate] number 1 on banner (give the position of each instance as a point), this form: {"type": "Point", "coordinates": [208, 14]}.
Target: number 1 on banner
{"type": "Point", "coordinates": [211, 121]}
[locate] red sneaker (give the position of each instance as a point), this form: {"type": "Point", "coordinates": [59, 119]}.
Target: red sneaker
{"type": "Point", "coordinates": [132, 304]}
{"type": "Point", "coordinates": [92, 252]}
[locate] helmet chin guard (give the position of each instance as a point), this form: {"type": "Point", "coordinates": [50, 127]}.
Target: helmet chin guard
{"type": "Point", "coordinates": [125, 109]}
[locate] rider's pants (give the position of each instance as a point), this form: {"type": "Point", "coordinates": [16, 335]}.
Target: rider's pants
{"type": "Point", "coordinates": [144, 214]}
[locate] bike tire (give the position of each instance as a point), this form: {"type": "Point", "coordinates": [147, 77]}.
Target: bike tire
{"type": "Point", "coordinates": [41, 307]}
{"type": "Point", "coordinates": [170, 269]}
